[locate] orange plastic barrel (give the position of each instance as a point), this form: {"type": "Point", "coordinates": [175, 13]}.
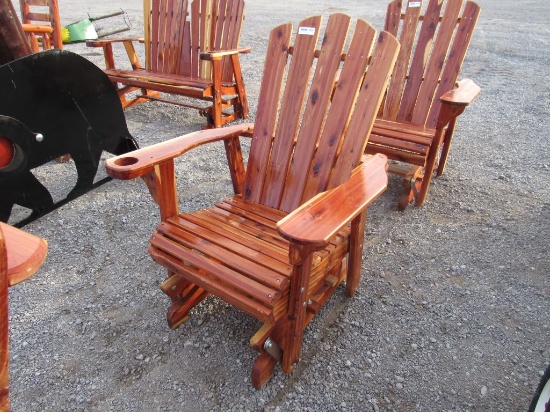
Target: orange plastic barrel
{"type": "Point", "coordinates": [6, 151]}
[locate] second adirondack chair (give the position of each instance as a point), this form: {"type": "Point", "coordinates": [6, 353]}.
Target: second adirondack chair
{"type": "Point", "coordinates": [294, 230]}
{"type": "Point", "coordinates": [423, 101]}
{"type": "Point", "coordinates": [195, 57]}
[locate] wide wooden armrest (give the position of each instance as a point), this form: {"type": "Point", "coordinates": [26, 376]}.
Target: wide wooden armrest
{"type": "Point", "coordinates": [318, 220]}
{"type": "Point", "coordinates": [142, 161]}
{"type": "Point", "coordinates": [216, 55]}
{"type": "Point", "coordinates": [462, 95]}
{"type": "Point", "coordinates": [101, 43]}
{"type": "Point", "coordinates": [25, 253]}
{"type": "Point", "coordinates": [37, 28]}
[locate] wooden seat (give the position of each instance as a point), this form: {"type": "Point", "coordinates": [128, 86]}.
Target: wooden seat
{"type": "Point", "coordinates": [417, 120]}
{"type": "Point", "coordinates": [21, 255]}
{"type": "Point", "coordinates": [294, 229]}
{"type": "Point", "coordinates": [195, 57]}
{"type": "Point", "coordinates": [40, 20]}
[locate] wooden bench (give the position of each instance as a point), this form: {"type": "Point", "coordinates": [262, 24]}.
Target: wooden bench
{"type": "Point", "coordinates": [191, 53]}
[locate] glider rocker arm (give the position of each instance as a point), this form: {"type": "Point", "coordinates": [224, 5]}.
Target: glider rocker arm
{"type": "Point", "coordinates": [155, 164]}
{"type": "Point", "coordinates": [217, 55]}
{"type": "Point", "coordinates": [315, 222]}
{"type": "Point", "coordinates": [107, 46]}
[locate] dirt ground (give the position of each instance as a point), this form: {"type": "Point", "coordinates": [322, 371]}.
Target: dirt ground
{"type": "Point", "coordinates": [453, 311]}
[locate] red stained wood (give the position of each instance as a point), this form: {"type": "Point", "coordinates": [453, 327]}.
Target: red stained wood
{"type": "Point", "coordinates": [261, 251]}
{"type": "Point", "coordinates": [264, 127]}
{"type": "Point", "coordinates": [177, 37]}
{"type": "Point", "coordinates": [290, 111]}
{"type": "Point", "coordinates": [316, 106]}
{"type": "Point", "coordinates": [415, 126]}
{"type": "Point", "coordinates": [21, 255]}
{"type": "Point", "coordinates": [342, 105]}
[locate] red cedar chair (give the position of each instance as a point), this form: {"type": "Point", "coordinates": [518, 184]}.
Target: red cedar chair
{"type": "Point", "coordinates": [294, 230]}
{"type": "Point", "coordinates": [416, 123]}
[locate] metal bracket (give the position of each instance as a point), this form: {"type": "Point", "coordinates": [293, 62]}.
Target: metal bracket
{"type": "Point", "coordinates": [272, 348]}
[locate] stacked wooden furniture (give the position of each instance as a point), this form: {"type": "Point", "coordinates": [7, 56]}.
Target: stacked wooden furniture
{"type": "Point", "coordinates": [195, 57]}
{"type": "Point", "coordinates": [40, 20]}
{"type": "Point", "coordinates": [424, 99]}
{"type": "Point", "coordinates": [21, 254]}
{"type": "Point", "coordinates": [294, 230]}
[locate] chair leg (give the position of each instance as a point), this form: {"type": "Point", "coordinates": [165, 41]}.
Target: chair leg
{"type": "Point", "coordinates": [262, 370]}
{"type": "Point", "coordinates": [446, 146]}
{"type": "Point", "coordinates": [430, 167]}
{"type": "Point", "coordinates": [412, 182]}
{"type": "Point", "coordinates": [241, 107]}
{"type": "Point", "coordinates": [355, 253]}
{"type": "Point", "coordinates": [185, 296]}
{"type": "Point", "coordinates": [296, 320]}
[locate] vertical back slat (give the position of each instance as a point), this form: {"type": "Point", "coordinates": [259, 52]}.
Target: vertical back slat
{"type": "Point", "coordinates": [153, 35]}
{"type": "Point", "coordinates": [368, 101]}
{"type": "Point", "coordinates": [393, 17]}
{"type": "Point", "coordinates": [185, 65]}
{"type": "Point", "coordinates": [426, 94]}
{"type": "Point", "coordinates": [221, 25]}
{"type": "Point", "coordinates": [341, 108]}
{"type": "Point", "coordinates": [457, 53]}
{"type": "Point", "coordinates": [205, 67]}
{"type": "Point", "coordinates": [162, 23]}
{"type": "Point", "coordinates": [168, 44]}
{"type": "Point", "coordinates": [291, 109]}
{"type": "Point", "coordinates": [233, 30]}
{"type": "Point", "coordinates": [408, 34]}
{"type": "Point", "coordinates": [223, 33]}
{"type": "Point", "coordinates": [268, 104]}
{"type": "Point", "coordinates": [422, 52]}
{"type": "Point", "coordinates": [316, 107]}
{"type": "Point", "coordinates": [195, 37]}
{"type": "Point", "coordinates": [178, 40]}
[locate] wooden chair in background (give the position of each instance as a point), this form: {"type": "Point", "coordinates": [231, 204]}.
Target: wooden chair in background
{"type": "Point", "coordinates": [418, 118]}
{"type": "Point", "coordinates": [40, 20]}
{"type": "Point", "coordinates": [294, 231]}
{"type": "Point", "coordinates": [195, 57]}
{"type": "Point", "coordinates": [21, 255]}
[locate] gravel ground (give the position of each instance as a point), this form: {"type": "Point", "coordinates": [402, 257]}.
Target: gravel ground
{"type": "Point", "coordinates": [452, 313]}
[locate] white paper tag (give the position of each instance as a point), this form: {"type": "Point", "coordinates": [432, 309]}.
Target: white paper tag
{"type": "Point", "coordinates": [414, 4]}
{"type": "Point", "coordinates": [310, 31]}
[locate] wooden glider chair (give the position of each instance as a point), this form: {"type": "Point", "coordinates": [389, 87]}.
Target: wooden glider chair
{"type": "Point", "coordinates": [21, 254]}
{"type": "Point", "coordinates": [294, 229]}
{"type": "Point", "coordinates": [195, 57]}
{"type": "Point", "coordinates": [418, 118]}
{"type": "Point", "coordinates": [40, 21]}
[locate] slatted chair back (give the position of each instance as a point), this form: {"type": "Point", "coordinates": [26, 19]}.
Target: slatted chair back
{"type": "Point", "coordinates": [43, 13]}
{"type": "Point", "coordinates": [173, 42]}
{"type": "Point", "coordinates": [429, 62]}
{"type": "Point", "coordinates": [289, 164]}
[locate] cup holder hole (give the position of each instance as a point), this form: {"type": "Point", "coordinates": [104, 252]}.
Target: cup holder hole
{"type": "Point", "coordinates": [126, 161]}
